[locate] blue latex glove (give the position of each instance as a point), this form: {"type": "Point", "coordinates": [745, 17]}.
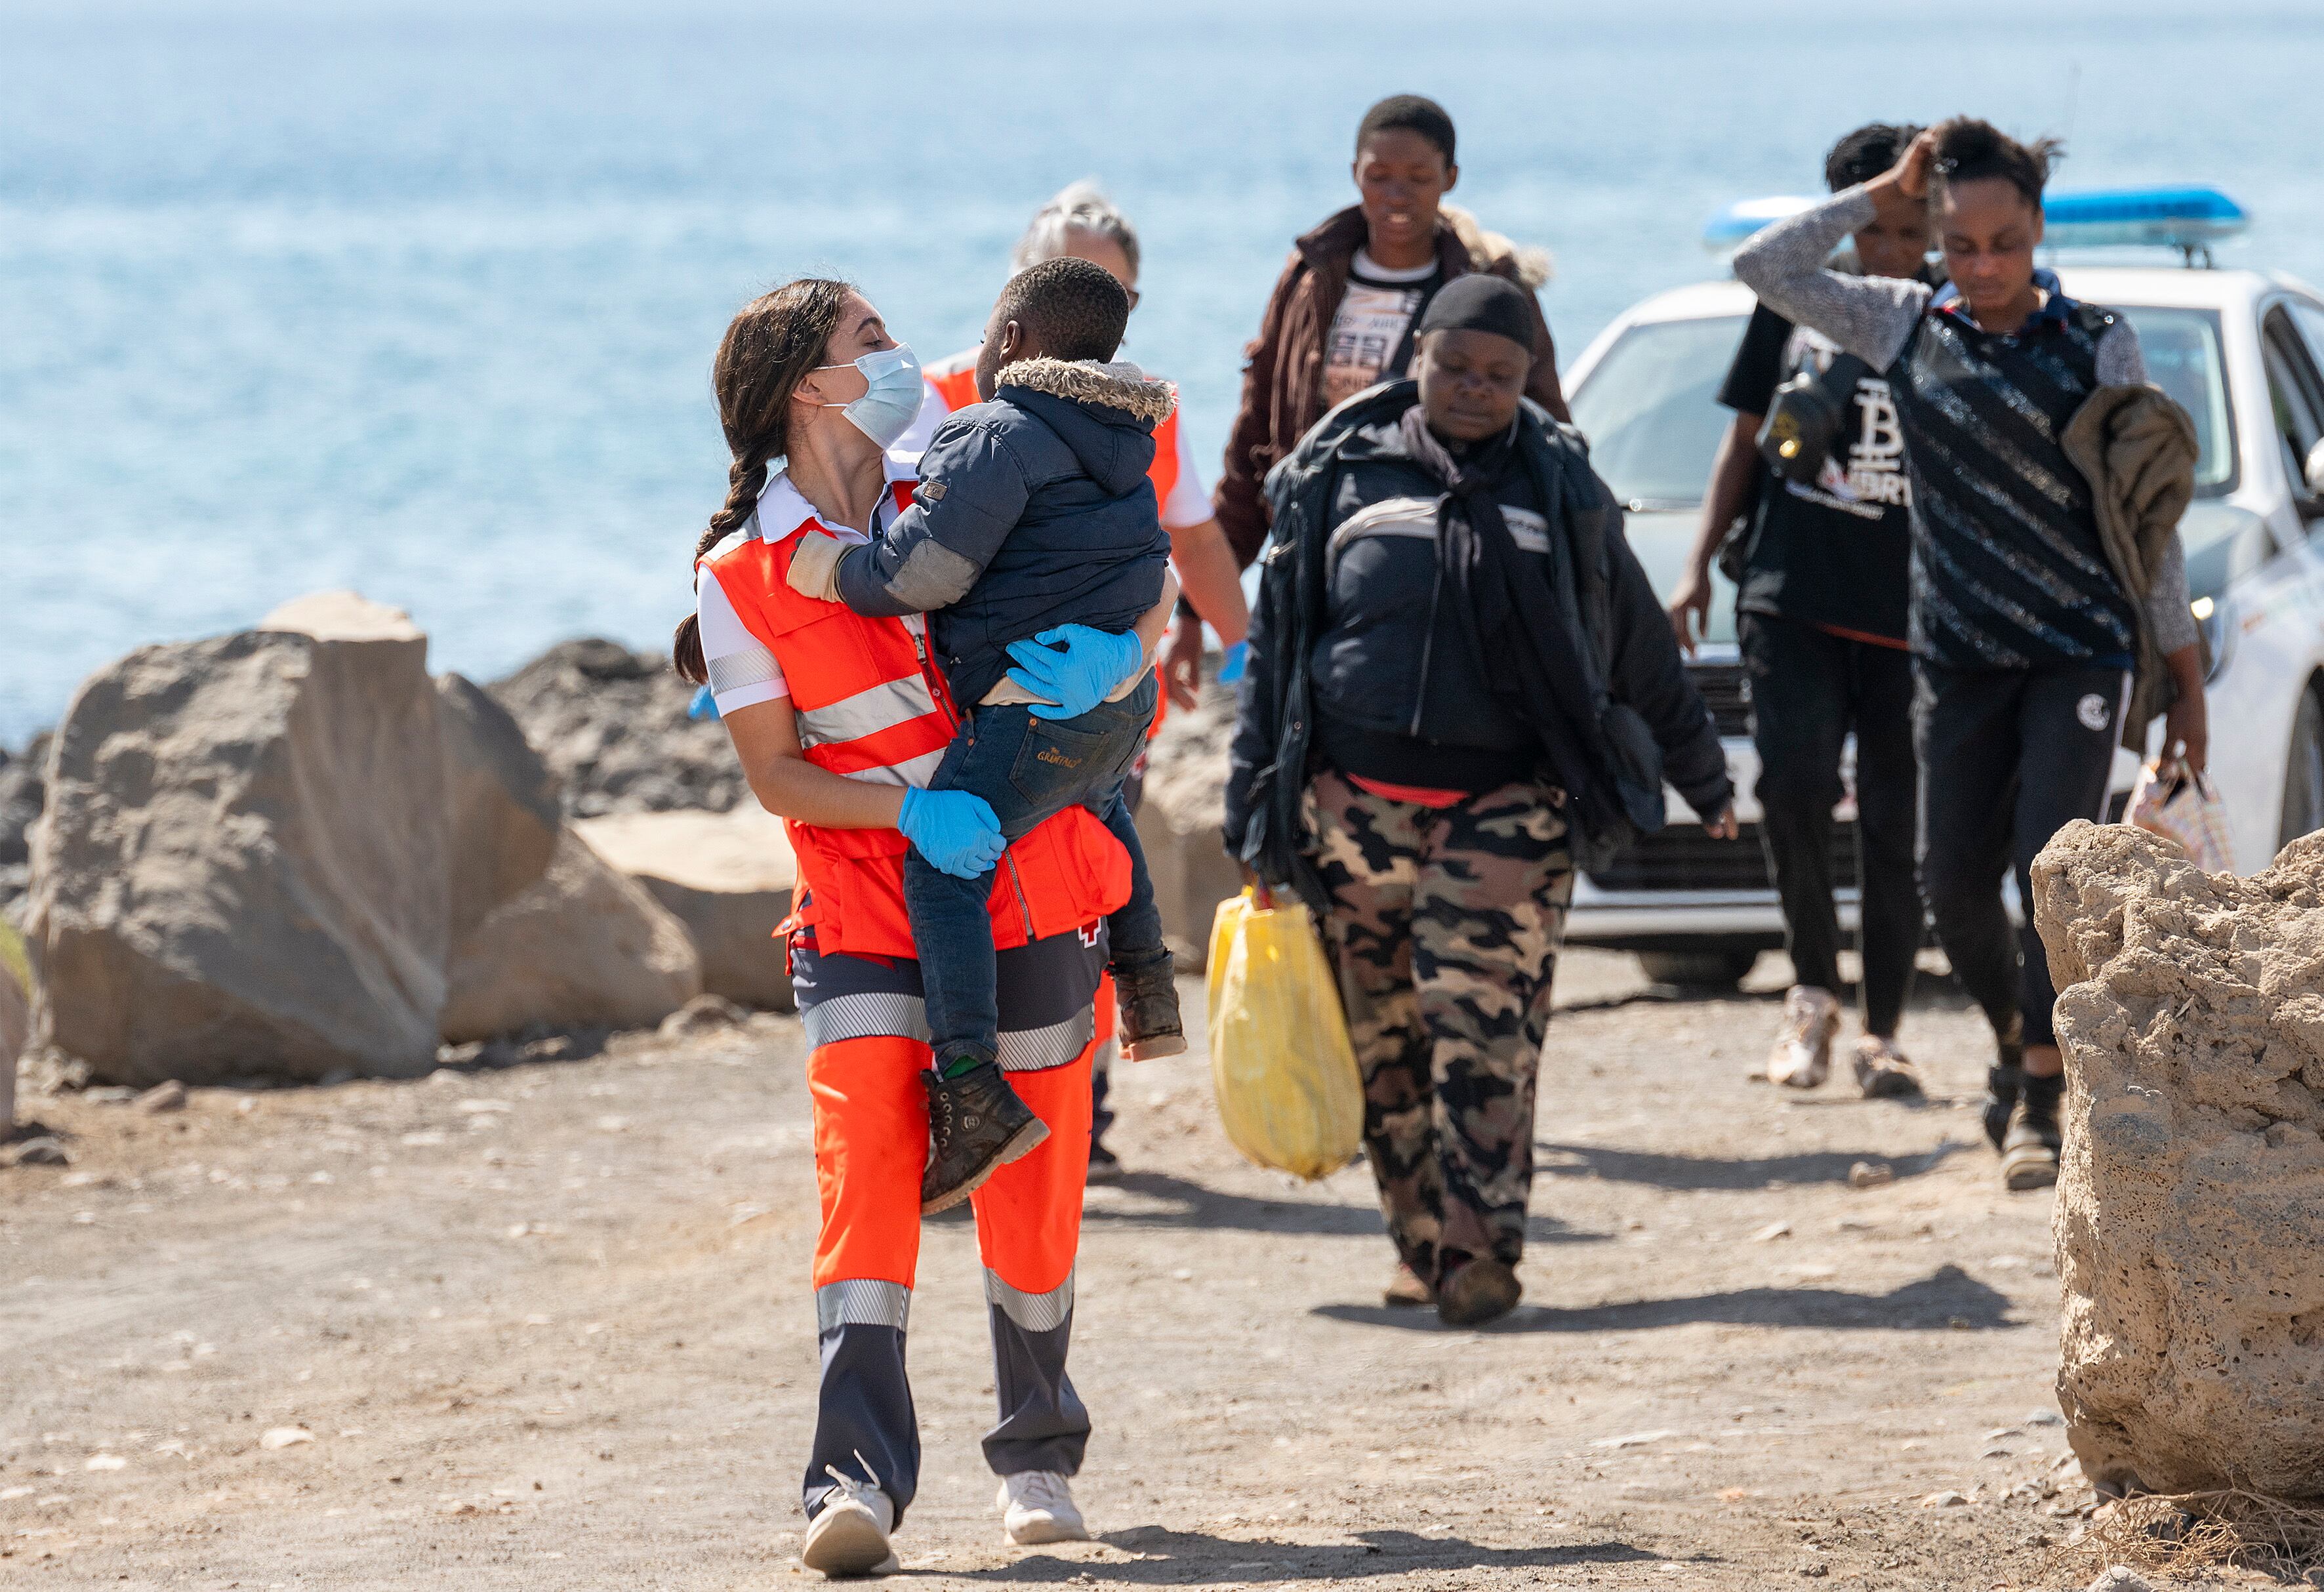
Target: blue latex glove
{"type": "Point", "coordinates": [705, 705]}
{"type": "Point", "coordinates": [954, 830]}
{"type": "Point", "coordinates": [1231, 666]}
{"type": "Point", "coordinates": [1092, 665]}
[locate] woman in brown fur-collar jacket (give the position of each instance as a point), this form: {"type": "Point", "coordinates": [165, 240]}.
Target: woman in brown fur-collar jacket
{"type": "Point", "coordinates": [1341, 317]}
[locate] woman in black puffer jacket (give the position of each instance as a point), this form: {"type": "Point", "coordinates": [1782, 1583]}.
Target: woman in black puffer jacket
{"type": "Point", "coordinates": [1460, 681]}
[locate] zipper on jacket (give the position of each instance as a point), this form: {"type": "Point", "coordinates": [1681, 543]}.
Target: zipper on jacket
{"type": "Point", "coordinates": [1427, 646]}
{"type": "Point", "coordinates": [1024, 911]}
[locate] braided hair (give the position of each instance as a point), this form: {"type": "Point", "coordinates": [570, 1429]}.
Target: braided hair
{"type": "Point", "coordinates": [768, 349]}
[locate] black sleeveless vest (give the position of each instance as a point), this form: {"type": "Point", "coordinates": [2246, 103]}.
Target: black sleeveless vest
{"type": "Point", "coordinates": [2008, 568]}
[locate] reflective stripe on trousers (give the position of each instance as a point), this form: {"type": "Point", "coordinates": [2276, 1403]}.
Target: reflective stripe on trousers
{"type": "Point", "coordinates": [870, 1139]}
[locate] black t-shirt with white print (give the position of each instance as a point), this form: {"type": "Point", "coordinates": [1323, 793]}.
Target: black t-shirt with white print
{"type": "Point", "coordinates": [1835, 554]}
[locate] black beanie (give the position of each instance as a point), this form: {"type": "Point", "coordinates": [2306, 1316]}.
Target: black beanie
{"type": "Point", "coordinates": [1482, 302]}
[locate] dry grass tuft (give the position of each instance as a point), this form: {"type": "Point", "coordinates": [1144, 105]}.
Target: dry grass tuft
{"type": "Point", "coordinates": [2188, 1533]}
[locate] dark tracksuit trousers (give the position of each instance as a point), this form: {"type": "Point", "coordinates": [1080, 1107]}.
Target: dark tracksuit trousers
{"type": "Point", "coordinates": [1808, 690]}
{"type": "Point", "coordinates": [2009, 757]}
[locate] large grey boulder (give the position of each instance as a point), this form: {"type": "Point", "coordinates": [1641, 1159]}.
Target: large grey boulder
{"type": "Point", "coordinates": [726, 876]}
{"type": "Point", "coordinates": [241, 868]}
{"type": "Point", "coordinates": [500, 801]}
{"type": "Point", "coordinates": [2190, 1197]}
{"type": "Point", "coordinates": [583, 947]}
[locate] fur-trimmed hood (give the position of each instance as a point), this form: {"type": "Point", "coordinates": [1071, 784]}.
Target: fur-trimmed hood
{"type": "Point", "coordinates": [1120, 385]}
{"type": "Point", "coordinates": [1530, 264]}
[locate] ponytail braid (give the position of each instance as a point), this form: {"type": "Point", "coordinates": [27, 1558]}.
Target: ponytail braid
{"type": "Point", "coordinates": [770, 347]}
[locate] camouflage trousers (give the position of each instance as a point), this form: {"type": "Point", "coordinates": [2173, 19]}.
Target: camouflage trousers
{"type": "Point", "coordinates": [1444, 927]}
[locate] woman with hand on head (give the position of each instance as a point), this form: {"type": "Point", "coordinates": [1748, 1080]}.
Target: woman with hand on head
{"type": "Point", "coordinates": [2036, 647]}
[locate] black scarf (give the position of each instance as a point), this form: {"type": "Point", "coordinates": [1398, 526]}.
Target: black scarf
{"type": "Point", "coordinates": [1526, 641]}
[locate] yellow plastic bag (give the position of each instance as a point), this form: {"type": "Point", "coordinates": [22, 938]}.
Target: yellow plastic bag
{"type": "Point", "coordinates": [1289, 1092]}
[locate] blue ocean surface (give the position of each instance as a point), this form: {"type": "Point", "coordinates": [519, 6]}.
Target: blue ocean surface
{"type": "Point", "coordinates": [421, 299]}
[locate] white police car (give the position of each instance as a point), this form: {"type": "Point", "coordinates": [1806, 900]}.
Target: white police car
{"type": "Point", "coordinates": [2242, 350]}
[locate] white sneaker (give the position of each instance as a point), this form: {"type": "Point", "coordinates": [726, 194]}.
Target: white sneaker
{"type": "Point", "coordinates": [1802, 1058]}
{"type": "Point", "coordinates": [1037, 1507]}
{"type": "Point", "coordinates": [848, 1536]}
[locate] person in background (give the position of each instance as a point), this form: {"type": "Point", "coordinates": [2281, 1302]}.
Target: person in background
{"type": "Point", "coordinates": [1342, 316]}
{"type": "Point", "coordinates": [1820, 617]}
{"type": "Point", "coordinates": [2033, 653]}
{"type": "Point", "coordinates": [1459, 674]}
{"type": "Point", "coordinates": [1082, 223]}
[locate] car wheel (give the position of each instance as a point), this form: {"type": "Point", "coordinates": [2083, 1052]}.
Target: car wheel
{"type": "Point", "coordinates": [2303, 773]}
{"type": "Point", "coordinates": [1701, 969]}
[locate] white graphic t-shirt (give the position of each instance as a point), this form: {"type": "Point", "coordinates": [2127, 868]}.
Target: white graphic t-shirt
{"type": "Point", "coordinates": [1370, 323]}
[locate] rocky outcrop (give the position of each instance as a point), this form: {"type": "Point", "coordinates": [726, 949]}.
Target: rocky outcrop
{"type": "Point", "coordinates": [500, 804]}
{"type": "Point", "coordinates": [726, 876]}
{"type": "Point", "coordinates": [582, 947]}
{"type": "Point", "coordinates": [2190, 1201]}
{"type": "Point", "coordinates": [613, 725]}
{"type": "Point", "coordinates": [1180, 815]}
{"type": "Point", "coordinates": [22, 788]}
{"type": "Point", "coordinates": [241, 869]}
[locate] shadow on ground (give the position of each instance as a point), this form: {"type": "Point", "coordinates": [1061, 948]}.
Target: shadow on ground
{"type": "Point", "coordinates": [1166, 1201]}
{"type": "Point", "coordinates": [1947, 1298]}
{"type": "Point", "coordinates": [1702, 1171]}
{"type": "Point", "coordinates": [1193, 1559]}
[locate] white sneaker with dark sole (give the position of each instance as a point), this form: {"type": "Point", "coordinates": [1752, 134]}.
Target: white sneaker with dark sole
{"type": "Point", "coordinates": [848, 1537]}
{"type": "Point", "coordinates": [1802, 1058]}
{"type": "Point", "coordinates": [1037, 1506]}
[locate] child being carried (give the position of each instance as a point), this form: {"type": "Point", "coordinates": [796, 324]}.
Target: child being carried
{"type": "Point", "coordinates": [1034, 525]}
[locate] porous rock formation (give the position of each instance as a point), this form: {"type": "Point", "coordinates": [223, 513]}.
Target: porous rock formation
{"type": "Point", "coordinates": [2190, 1201]}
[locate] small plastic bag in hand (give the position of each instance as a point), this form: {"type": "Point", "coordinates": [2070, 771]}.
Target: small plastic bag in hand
{"type": "Point", "coordinates": [2174, 801]}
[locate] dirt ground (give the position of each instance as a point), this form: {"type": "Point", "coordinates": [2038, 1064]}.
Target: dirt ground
{"type": "Point", "coordinates": [548, 1326]}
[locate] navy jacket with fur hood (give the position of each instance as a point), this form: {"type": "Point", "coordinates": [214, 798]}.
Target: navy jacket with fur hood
{"type": "Point", "coordinates": [1033, 509]}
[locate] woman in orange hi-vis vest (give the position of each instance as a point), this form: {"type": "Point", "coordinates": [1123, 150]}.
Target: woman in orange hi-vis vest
{"type": "Point", "coordinates": [839, 720]}
{"type": "Point", "coordinates": [1082, 223]}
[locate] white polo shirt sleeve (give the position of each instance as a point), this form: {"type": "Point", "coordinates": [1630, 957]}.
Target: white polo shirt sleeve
{"type": "Point", "coordinates": [1190, 499]}
{"type": "Point", "coordinates": [743, 672]}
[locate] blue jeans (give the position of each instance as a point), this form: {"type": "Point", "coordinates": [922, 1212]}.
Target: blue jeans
{"type": "Point", "coordinates": [1029, 770]}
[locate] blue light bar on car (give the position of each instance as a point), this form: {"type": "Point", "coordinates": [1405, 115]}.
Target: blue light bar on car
{"type": "Point", "coordinates": [1739, 220]}
{"type": "Point", "coordinates": [2183, 217]}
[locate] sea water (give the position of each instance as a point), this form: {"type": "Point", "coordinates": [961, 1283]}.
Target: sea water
{"type": "Point", "coordinates": [420, 299]}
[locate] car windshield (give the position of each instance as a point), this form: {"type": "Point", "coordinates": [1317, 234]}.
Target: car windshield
{"type": "Point", "coordinates": [2182, 358]}
{"type": "Point", "coordinates": [1650, 407]}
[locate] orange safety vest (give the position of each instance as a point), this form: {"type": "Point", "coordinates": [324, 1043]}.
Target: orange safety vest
{"type": "Point", "coordinates": [872, 706]}
{"type": "Point", "coordinates": [955, 380]}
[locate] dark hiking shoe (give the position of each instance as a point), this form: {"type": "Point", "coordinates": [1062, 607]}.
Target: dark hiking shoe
{"type": "Point", "coordinates": [1146, 998]}
{"type": "Point", "coordinates": [1882, 1071]}
{"type": "Point", "coordinates": [2029, 1149]}
{"type": "Point", "coordinates": [2002, 1086]}
{"type": "Point", "coordinates": [1480, 1291]}
{"type": "Point", "coordinates": [976, 1125]}
{"type": "Point", "coordinates": [1406, 1290]}
{"type": "Point", "coordinates": [2005, 1081]}
{"type": "Point", "coordinates": [1104, 1166]}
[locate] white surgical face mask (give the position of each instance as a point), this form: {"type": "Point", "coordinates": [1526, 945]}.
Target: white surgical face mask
{"type": "Point", "coordinates": [892, 398]}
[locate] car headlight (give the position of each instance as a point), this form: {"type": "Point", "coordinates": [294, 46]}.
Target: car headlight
{"type": "Point", "coordinates": [2216, 627]}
